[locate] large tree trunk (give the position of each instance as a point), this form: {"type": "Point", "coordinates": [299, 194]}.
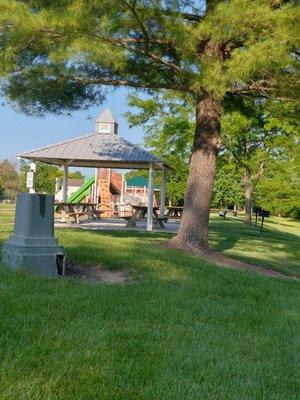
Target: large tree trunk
{"type": "Point", "coordinates": [248, 197]}
{"type": "Point", "coordinates": [193, 231]}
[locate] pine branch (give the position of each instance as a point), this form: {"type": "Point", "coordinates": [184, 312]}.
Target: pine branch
{"type": "Point", "coordinates": [131, 40]}
{"type": "Point", "coordinates": [262, 86]}
{"type": "Point", "coordinates": [145, 33]}
{"type": "Point", "coordinates": [187, 16]}
{"type": "Point", "coordinates": [130, 83]}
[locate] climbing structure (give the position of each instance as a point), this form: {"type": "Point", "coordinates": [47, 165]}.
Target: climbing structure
{"type": "Point", "coordinates": [110, 188]}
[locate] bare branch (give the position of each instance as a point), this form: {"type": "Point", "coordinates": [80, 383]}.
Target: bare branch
{"type": "Point", "coordinates": [259, 174]}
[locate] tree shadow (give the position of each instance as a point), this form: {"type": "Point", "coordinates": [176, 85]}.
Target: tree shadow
{"type": "Point", "coordinates": [274, 249]}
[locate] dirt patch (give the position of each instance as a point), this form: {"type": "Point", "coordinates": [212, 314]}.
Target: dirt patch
{"type": "Point", "coordinates": [220, 259]}
{"type": "Point", "coordinates": [96, 274]}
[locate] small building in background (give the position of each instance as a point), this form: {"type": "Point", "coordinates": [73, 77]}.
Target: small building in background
{"type": "Point", "coordinates": [73, 186]}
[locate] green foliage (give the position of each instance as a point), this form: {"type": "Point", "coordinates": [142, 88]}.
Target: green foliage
{"type": "Point", "coordinates": [168, 123]}
{"type": "Point", "coordinates": [75, 175]}
{"type": "Point", "coordinates": [44, 177]}
{"type": "Point", "coordinates": [255, 133]}
{"type": "Point", "coordinates": [57, 56]}
{"type": "Point", "coordinates": [136, 172]}
{"type": "Point", "coordinates": [279, 190]}
{"type": "Point", "coordinates": [228, 188]}
{"type": "Point", "coordinates": [9, 181]}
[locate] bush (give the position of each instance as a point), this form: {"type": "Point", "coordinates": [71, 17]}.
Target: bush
{"type": "Point", "coordinates": [295, 213]}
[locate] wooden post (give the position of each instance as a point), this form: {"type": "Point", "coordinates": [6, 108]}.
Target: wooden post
{"type": "Point", "coordinates": [65, 184]}
{"type": "Point", "coordinates": [162, 193]}
{"type": "Point", "coordinates": [150, 199]}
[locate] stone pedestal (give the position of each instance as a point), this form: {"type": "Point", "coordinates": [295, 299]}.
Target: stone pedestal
{"type": "Point", "coordinates": [32, 245]}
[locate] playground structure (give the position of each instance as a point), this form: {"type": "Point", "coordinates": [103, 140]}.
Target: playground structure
{"type": "Point", "coordinates": [112, 192]}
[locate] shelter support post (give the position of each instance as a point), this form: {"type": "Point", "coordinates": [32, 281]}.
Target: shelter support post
{"type": "Point", "coordinates": [122, 190]}
{"type": "Point", "coordinates": [150, 199]}
{"type": "Point", "coordinates": [65, 183]}
{"type": "Point", "coordinates": [162, 193]}
{"type": "Point", "coordinates": [95, 187]}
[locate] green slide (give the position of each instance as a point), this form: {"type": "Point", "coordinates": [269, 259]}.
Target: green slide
{"type": "Point", "coordinates": [80, 194]}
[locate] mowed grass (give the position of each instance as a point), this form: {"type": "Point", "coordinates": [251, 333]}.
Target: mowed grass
{"type": "Point", "coordinates": [182, 329]}
{"type": "Point", "coordinates": [278, 248]}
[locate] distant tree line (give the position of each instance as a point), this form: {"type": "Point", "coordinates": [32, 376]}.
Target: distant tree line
{"type": "Point", "coordinates": [12, 181]}
{"type": "Point", "coordinates": [259, 159]}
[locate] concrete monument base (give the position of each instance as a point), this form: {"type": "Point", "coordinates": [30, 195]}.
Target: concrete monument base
{"type": "Point", "coordinates": [32, 245]}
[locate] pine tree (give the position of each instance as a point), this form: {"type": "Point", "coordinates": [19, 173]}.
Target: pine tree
{"type": "Point", "coordinates": [62, 54]}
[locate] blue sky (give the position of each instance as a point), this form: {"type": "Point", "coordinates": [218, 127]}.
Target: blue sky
{"type": "Point", "coordinates": [19, 132]}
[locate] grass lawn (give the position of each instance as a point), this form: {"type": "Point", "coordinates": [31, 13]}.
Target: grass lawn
{"type": "Point", "coordinates": [183, 329]}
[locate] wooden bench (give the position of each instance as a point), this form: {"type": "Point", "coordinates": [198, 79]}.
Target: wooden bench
{"type": "Point", "coordinates": [67, 211]}
{"type": "Point", "coordinates": [140, 215]}
{"type": "Point", "coordinates": [160, 220]}
{"type": "Point", "coordinates": [69, 216]}
{"type": "Point", "coordinates": [131, 220]}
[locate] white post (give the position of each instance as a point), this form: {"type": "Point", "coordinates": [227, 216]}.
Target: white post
{"type": "Point", "coordinates": [65, 184]}
{"type": "Point", "coordinates": [121, 204]}
{"type": "Point", "coordinates": [162, 193]}
{"type": "Point", "coordinates": [150, 199]}
{"type": "Point", "coordinates": [95, 194]}
{"type": "Point", "coordinates": [122, 190]}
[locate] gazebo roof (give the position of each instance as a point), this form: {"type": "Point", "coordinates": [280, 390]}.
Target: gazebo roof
{"type": "Point", "coordinates": [96, 150]}
{"type": "Point", "coordinates": [106, 116]}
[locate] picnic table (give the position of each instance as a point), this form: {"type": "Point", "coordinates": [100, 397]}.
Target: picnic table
{"type": "Point", "coordinates": [140, 214]}
{"type": "Point", "coordinates": [174, 212]}
{"type": "Point", "coordinates": [69, 210]}
{"type": "Point", "coordinates": [89, 209]}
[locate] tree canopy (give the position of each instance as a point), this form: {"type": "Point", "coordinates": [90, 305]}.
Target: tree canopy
{"type": "Point", "coordinates": [60, 55]}
{"type": "Point", "coordinates": [45, 177]}
{"type": "Point", "coordinates": [257, 135]}
{"type": "Point", "coordinates": [9, 180]}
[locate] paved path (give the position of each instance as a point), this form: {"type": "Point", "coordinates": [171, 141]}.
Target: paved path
{"type": "Point", "coordinates": [116, 224]}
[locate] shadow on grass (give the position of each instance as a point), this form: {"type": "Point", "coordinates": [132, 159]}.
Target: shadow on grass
{"type": "Point", "coordinates": [274, 249]}
{"type": "Point", "coordinates": [142, 254]}
{"type": "Point", "coordinates": [124, 249]}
